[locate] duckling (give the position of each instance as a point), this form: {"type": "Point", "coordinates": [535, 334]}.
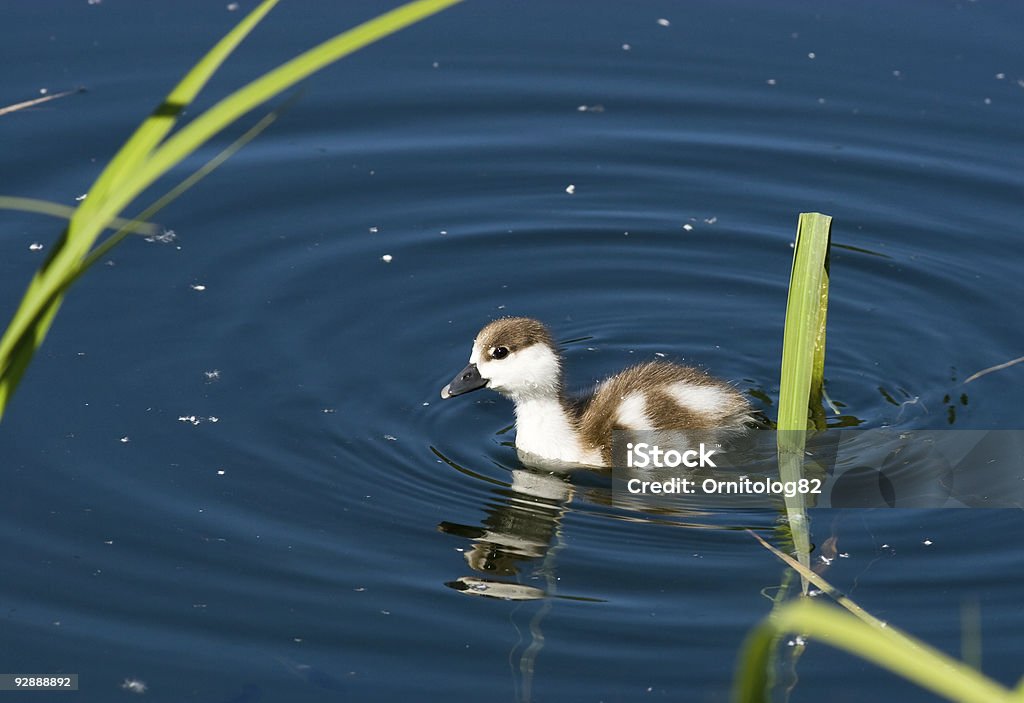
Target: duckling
{"type": "Point", "coordinates": [516, 357]}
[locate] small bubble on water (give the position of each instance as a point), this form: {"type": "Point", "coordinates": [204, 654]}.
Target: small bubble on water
{"type": "Point", "coordinates": [387, 258]}
{"type": "Point", "coordinates": [626, 47]}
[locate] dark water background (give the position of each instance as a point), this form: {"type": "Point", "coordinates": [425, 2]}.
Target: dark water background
{"type": "Point", "coordinates": [306, 544]}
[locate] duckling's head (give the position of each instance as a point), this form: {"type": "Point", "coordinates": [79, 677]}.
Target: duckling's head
{"type": "Point", "coordinates": [514, 356]}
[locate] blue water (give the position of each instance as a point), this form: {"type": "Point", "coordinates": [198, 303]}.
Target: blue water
{"type": "Point", "coordinates": [228, 473]}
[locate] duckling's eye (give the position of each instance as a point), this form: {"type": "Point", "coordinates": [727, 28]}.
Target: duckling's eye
{"type": "Point", "coordinates": [499, 352]}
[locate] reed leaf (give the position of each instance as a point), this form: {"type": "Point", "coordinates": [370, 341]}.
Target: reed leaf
{"type": "Point", "coordinates": [881, 644]}
{"type": "Point", "coordinates": [149, 154]}
{"type": "Point", "coordinates": [803, 365]}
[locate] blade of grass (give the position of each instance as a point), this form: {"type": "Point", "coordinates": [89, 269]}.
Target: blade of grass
{"type": "Point", "coordinates": [803, 364]}
{"type": "Point", "coordinates": [140, 163]}
{"type": "Point", "coordinates": [47, 207]}
{"type": "Point", "coordinates": [882, 645]}
{"type": "Point", "coordinates": [38, 101]}
{"type": "Point", "coordinates": [85, 226]}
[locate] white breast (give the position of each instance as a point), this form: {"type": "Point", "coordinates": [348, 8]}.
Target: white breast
{"type": "Point", "coordinates": [543, 429]}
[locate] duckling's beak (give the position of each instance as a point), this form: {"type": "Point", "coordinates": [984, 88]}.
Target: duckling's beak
{"type": "Point", "coordinates": [468, 379]}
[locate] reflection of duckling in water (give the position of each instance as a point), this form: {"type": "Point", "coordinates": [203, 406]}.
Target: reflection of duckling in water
{"type": "Point", "coordinates": [517, 357]}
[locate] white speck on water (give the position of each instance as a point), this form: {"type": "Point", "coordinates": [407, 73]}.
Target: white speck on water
{"type": "Point", "coordinates": [844, 555]}
{"type": "Point", "coordinates": [797, 641]}
{"type": "Point", "coordinates": [436, 64]}
{"type": "Point", "coordinates": [626, 47]}
{"type": "Point", "coordinates": [133, 685]}
{"type": "Point", "coordinates": [821, 101]}
{"type": "Point", "coordinates": [885, 546]}
{"type": "Point", "coordinates": [688, 227]}
{"type": "Point", "coordinates": [660, 354]}
{"type": "Point", "coordinates": [591, 348]}
{"type": "Point", "coordinates": [664, 22]}
{"type": "Point", "coordinates": [590, 108]}
{"type": "Point", "coordinates": [165, 237]}
{"type": "Point", "coordinates": [771, 81]}
{"type": "Point", "coordinates": [191, 419]}
{"type": "Point", "coordinates": [390, 438]}
{"type": "Point", "coordinates": [570, 189]}
{"type": "Point", "coordinates": [444, 233]}
{"type": "Point", "coordinates": [232, 6]}
{"type": "Point", "coordinates": [108, 541]}
{"type": "Point", "coordinates": [35, 246]}
{"type": "Point", "coordinates": [213, 418]}
{"type": "Point", "coordinates": [387, 258]}
{"type": "Point", "coordinates": [43, 91]}
{"type": "Point", "coordinates": [125, 440]}
{"type": "Point", "coordinates": [502, 307]}
{"type": "Point", "coordinates": [988, 101]}
{"type": "Point", "coordinates": [360, 589]}
{"type": "Point", "coordinates": [710, 220]}
{"type": "Point", "coordinates": [221, 472]}
{"type": "Point", "coordinates": [897, 73]}
{"type": "Point", "coordinates": [927, 543]}
{"type": "Point", "coordinates": [1000, 76]}
{"type": "Point", "coordinates": [197, 286]}
{"type": "Point", "coordinates": [94, 2]}
{"type": "Point", "coordinates": [385, 612]}
{"type": "Point", "coordinates": [212, 375]}
{"type": "Point", "coordinates": [814, 592]}
{"type": "Point", "coordinates": [825, 560]}
{"type": "Point", "coordinates": [811, 55]}
{"type": "Point", "coordinates": [426, 404]}
{"type": "Point", "coordinates": [81, 197]}
{"type": "Point", "coordinates": [328, 411]}
{"type": "Point", "coordinates": [374, 230]}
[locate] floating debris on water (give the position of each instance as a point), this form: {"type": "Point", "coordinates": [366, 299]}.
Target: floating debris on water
{"type": "Point", "coordinates": [390, 438]}
{"type": "Point", "coordinates": [664, 22]}
{"type": "Point", "coordinates": [374, 230]}
{"type": "Point", "coordinates": [570, 189]}
{"type": "Point", "coordinates": [133, 685]}
{"type": "Point", "coordinates": [82, 197]}
{"type": "Point", "coordinates": [197, 286]}
{"type": "Point", "coordinates": [195, 419]}
{"type": "Point", "coordinates": [387, 258]}
{"type": "Point", "coordinates": [221, 472]}
{"type": "Point", "coordinates": [165, 237]}
{"type": "Point", "coordinates": [125, 440]}
{"type": "Point", "coordinates": [771, 81]}
{"type": "Point", "coordinates": [232, 6]}
{"type": "Point", "coordinates": [590, 108]}
{"type": "Point", "coordinates": [626, 47]}
{"type": "Point", "coordinates": [212, 375]}
{"type": "Point", "coordinates": [35, 246]}
{"type": "Point", "coordinates": [688, 227]}
{"type": "Point", "coordinates": [927, 543]}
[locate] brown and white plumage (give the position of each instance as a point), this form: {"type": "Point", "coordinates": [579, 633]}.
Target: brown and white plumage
{"type": "Point", "coordinates": [517, 357]}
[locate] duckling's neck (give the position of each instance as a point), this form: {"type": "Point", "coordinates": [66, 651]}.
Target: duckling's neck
{"type": "Point", "coordinates": [545, 427]}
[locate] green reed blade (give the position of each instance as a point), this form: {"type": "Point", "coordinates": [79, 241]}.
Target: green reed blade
{"type": "Point", "coordinates": [48, 207]}
{"type": "Point", "coordinates": [881, 644]}
{"type": "Point", "coordinates": [803, 365]}
{"type": "Point", "coordinates": [145, 158]}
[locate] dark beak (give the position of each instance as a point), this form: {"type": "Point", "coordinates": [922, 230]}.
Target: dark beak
{"type": "Point", "coordinates": [469, 379]}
